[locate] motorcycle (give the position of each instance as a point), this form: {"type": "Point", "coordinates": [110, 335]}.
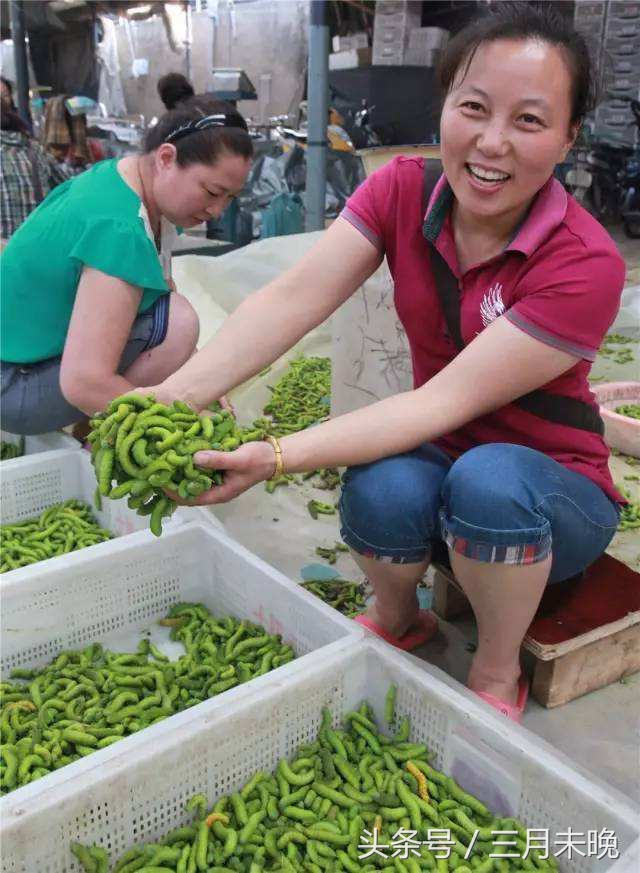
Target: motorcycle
{"type": "Point", "coordinates": [630, 207]}
{"type": "Point", "coordinates": [349, 126]}
{"type": "Point", "coordinates": [614, 193]}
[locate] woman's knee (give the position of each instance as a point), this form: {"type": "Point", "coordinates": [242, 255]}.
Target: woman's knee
{"type": "Point", "coordinates": [393, 501]}
{"type": "Point", "coordinates": [183, 327]}
{"type": "Point", "coordinates": [493, 486]}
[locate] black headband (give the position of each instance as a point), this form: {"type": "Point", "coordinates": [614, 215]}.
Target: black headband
{"type": "Point", "coordinates": [201, 124]}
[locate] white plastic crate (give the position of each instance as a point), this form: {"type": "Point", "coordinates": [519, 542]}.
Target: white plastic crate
{"type": "Point", "coordinates": [113, 601]}
{"type": "Point", "coordinates": [42, 442]}
{"type": "Point", "coordinates": [391, 32]}
{"type": "Point", "coordinates": [625, 9]}
{"type": "Point", "coordinates": [621, 46]}
{"type": "Point", "coordinates": [141, 794]}
{"type": "Point", "coordinates": [32, 483]}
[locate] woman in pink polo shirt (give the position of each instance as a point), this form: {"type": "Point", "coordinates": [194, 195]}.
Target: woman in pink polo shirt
{"type": "Point", "coordinates": [505, 287]}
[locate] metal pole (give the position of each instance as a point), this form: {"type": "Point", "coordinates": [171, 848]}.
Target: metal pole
{"type": "Point", "coordinates": [20, 58]}
{"type": "Point", "coordinates": [318, 95]}
{"type": "Point", "coordinates": [188, 40]}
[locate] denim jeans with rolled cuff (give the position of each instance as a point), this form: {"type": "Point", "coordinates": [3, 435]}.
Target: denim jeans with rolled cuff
{"type": "Point", "coordinates": [497, 503]}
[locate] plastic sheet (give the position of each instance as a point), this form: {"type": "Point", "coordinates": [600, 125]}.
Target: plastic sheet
{"type": "Point", "coordinates": [371, 358]}
{"type": "Point", "coordinates": [276, 526]}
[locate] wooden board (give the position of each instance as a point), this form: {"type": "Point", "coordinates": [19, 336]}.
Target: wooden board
{"type": "Point", "coordinates": [572, 614]}
{"type": "Point", "coordinates": [586, 669]}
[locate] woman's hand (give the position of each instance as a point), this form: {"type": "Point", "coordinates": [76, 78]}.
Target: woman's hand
{"type": "Point", "coordinates": [244, 467]}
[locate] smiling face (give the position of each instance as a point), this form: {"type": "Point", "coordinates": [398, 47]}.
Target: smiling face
{"type": "Point", "coordinates": [189, 195]}
{"type": "Point", "coordinates": [505, 126]}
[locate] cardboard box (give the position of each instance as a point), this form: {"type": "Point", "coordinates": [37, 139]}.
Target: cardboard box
{"type": "Point", "coordinates": [352, 41]}
{"type": "Point", "coordinates": [349, 60]}
{"type": "Point", "coordinates": [419, 57]}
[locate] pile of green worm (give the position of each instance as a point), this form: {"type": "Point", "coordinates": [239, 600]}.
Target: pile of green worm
{"type": "Point", "coordinates": [62, 528]}
{"type": "Point", "coordinates": [340, 594]}
{"type": "Point", "coordinates": [148, 448]}
{"type": "Point", "coordinates": [311, 814]}
{"type": "Point", "coordinates": [619, 356]}
{"type": "Point", "coordinates": [86, 700]}
{"type": "Point", "coordinates": [8, 451]}
{"type": "Point", "coordinates": [331, 554]}
{"type": "Point", "coordinates": [631, 410]}
{"type": "Point", "coordinates": [317, 507]}
{"type": "Point", "coordinates": [326, 479]}
{"type": "Point", "coordinates": [629, 513]}
{"type": "Point", "coordinates": [302, 397]}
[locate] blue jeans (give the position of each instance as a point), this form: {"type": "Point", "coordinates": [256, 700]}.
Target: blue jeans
{"type": "Point", "coordinates": [498, 503]}
{"type": "Point", "coordinates": [32, 400]}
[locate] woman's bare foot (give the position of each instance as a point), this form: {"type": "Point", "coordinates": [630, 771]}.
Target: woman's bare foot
{"type": "Point", "coordinates": [502, 684]}
{"type": "Point", "coordinates": [394, 618]}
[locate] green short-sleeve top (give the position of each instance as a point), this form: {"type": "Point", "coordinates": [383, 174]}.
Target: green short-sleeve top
{"type": "Point", "coordinates": [94, 219]}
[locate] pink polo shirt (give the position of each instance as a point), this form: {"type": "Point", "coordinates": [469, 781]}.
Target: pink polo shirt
{"type": "Point", "coordinates": [559, 280]}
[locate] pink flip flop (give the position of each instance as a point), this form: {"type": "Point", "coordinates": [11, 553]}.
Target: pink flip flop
{"type": "Point", "coordinates": [425, 627]}
{"type": "Point", "coordinates": [515, 710]}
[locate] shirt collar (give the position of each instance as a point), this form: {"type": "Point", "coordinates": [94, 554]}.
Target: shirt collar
{"type": "Point", "coordinates": [546, 213]}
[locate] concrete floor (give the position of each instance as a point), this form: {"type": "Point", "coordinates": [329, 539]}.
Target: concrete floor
{"type": "Point", "coordinates": [586, 729]}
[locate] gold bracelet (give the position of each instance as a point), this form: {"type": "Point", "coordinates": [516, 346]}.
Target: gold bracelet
{"type": "Point", "coordinates": [279, 471]}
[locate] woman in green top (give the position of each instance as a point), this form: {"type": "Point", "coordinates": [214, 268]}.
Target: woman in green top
{"type": "Point", "coordinates": [87, 311]}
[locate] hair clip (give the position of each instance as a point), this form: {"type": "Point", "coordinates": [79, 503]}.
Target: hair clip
{"type": "Point", "coordinates": [194, 126]}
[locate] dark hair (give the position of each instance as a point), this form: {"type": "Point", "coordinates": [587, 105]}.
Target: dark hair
{"type": "Point", "coordinates": [524, 21]}
{"type": "Point", "coordinates": [9, 88]}
{"type": "Point", "coordinates": [202, 145]}
{"type": "Point", "coordinates": [11, 121]}
{"type": "Point", "coordinates": [173, 89]}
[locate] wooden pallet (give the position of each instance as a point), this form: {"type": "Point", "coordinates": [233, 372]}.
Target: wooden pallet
{"type": "Point", "coordinates": [586, 633]}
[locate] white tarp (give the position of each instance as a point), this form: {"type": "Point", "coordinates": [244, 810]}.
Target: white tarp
{"type": "Point", "coordinates": [371, 358]}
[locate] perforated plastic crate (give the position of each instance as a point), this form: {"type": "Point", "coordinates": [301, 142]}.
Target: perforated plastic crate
{"type": "Point", "coordinates": [112, 598]}
{"type": "Point", "coordinates": [141, 794]}
{"type": "Point", "coordinates": [32, 483]}
{"type": "Point", "coordinates": [589, 9]}
{"type": "Point", "coordinates": [43, 442]}
{"type": "Point", "coordinates": [622, 46]}
{"type": "Point", "coordinates": [625, 9]}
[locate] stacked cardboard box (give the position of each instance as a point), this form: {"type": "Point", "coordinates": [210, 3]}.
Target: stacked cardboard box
{"type": "Point", "coordinates": [425, 45]}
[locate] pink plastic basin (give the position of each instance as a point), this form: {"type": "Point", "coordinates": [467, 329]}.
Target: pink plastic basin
{"type": "Point", "coordinates": [620, 431]}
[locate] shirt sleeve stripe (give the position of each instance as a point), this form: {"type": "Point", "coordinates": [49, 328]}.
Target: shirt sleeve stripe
{"type": "Point", "coordinates": [550, 339]}
{"type": "Point", "coordinates": [360, 225]}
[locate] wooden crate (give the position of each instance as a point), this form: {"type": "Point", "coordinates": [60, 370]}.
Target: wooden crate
{"type": "Point", "coordinates": [586, 633]}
